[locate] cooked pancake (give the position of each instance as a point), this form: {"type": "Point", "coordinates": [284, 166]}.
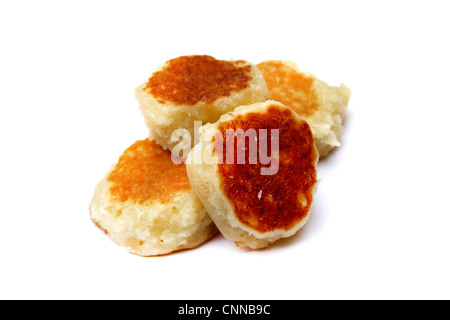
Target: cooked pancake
{"type": "Point", "coordinates": [255, 201]}
{"type": "Point", "coordinates": [323, 106]}
{"type": "Point", "coordinates": [196, 88]}
{"type": "Point", "coordinates": [146, 204]}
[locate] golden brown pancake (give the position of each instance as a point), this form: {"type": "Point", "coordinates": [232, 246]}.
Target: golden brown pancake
{"type": "Point", "coordinates": [146, 204]}
{"type": "Point", "coordinates": [323, 106]}
{"type": "Point", "coordinates": [196, 88]}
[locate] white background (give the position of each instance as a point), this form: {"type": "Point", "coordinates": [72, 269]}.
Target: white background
{"type": "Point", "coordinates": [380, 225]}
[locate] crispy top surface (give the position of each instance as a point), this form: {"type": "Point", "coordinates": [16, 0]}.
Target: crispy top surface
{"type": "Point", "coordinates": [145, 172]}
{"type": "Point", "coordinates": [189, 80]}
{"type": "Point", "coordinates": [271, 202]}
{"type": "Point", "coordinates": [290, 87]}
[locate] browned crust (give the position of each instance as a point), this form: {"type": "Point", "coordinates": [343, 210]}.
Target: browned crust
{"type": "Point", "coordinates": [145, 172]}
{"type": "Point", "coordinates": [189, 80]}
{"type": "Point", "coordinates": [270, 202]}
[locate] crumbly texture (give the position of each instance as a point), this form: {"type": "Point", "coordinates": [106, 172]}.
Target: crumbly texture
{"type": "Point", "coordinates": [323, 106]}
{"type": "Point", "coordinates": [251, 209]}
{"type": "Point", "coordinates": [196, 88]}
{"type": "Point", "coordinates": [145, 204]}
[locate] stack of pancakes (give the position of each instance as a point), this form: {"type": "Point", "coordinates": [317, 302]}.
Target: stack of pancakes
{"type": "Point", "coordinates": [154, 203]}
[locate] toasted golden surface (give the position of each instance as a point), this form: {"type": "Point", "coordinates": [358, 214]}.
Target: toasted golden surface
{"type": "Point", "coordinates": [271, 202]}
{"type": "Point", "coordinates": [322, 105]}
{"type": "Point", "coordinates": [290, 87]}
{"type": "Point", "coordinates": [145, 172]}
{"type": "Point", "coordinates": [188, 80]}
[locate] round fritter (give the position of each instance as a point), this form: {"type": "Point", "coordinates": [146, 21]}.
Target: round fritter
{"type": "Point", "coordinates": [196, 88]}
{"type": "Point", "coordinates": [258, 186]}
{"type": "Point", "coordinates": [323, 106]}
{"type": "Point", "coordinates": [146, 204]}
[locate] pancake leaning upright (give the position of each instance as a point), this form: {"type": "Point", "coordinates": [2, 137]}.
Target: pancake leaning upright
{"type": "Point", "coordinates": [253, 198]}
